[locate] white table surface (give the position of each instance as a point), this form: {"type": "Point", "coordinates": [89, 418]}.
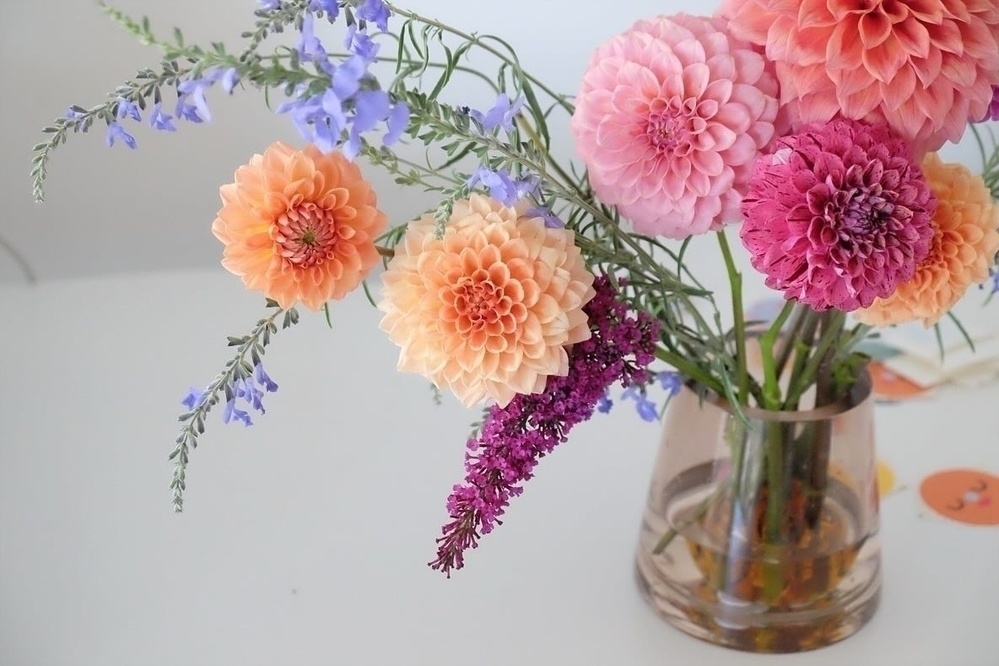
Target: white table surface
{"type": "Point", "coordinates": [306, 536]}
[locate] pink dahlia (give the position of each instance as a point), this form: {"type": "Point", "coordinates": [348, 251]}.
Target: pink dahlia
{"type": "Point", "coordinates": [669, 118]}
{"type": "Point", "coordinates": [926, 67]}
{"type": "Point", "coordinates": [838, 215]}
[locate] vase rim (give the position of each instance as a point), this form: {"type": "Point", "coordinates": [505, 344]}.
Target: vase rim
{"type": "Point", "coordinates": [858, 393]}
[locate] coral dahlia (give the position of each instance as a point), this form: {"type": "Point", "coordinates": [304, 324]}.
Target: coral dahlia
{"type": "Point", "coordinates": [298, 225]}
{"type": "Point", "coordinates": [965, 242]}
{"type": "Point", "coordinates": [926, 67]}
{"type": "Point", "coordinates": [486, 310]}
{"type": "Point", "coordinates": [837, 215]}
{"type": "Point", "coordinates": [669, 118]}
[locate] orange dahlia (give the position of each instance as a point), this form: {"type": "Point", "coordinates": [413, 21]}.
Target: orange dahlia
{"type": "Point", "coordinates": [965, 241]}
{"type": "Point", "coordinates": [299, 226]}
{"type": "Point", "coordinates": [486, 310]}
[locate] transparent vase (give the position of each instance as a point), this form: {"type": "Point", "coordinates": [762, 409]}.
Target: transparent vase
{"type": "Point", "coordinates": [761, 533]}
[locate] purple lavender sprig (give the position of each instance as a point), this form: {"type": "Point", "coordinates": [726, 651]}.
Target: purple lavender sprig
{"type": "Point", "coordinates": [243, 378]}
{"type": "Point", "coordinates": [514, 438]}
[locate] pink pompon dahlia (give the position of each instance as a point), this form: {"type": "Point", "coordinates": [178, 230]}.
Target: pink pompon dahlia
{"type": "Point", "coordinates": [299, 225]}
{"type": "Point", "coordinates": [965, 241]}
{"type": "Point", "coordinates": [926, 67]}
{"type": "Point", "coordinates": [488, 309]}
{"type": "Point", "coordinates": [837, 215]}
{"type": "Point", "coordinates": [669, 118]}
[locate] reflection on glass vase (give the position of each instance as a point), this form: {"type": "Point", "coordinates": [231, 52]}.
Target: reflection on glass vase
{"type": "Point", "coordinates": [761, 533]}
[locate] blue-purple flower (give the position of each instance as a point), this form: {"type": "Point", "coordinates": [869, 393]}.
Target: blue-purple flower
{"type": "Point", "coordinates": [374, 11]}
{"type": "Point", "coordinates": [647, 409]}
{"type": "Point", "coordinates": [310, 48]}
{"type": "Point", "coordinates": [552, 221]}
{"type": "Point", "coordinates": [502, 114]}
{"type": "Point", "coordinates": [160, 120]}
{"type": "Point", "coordinates": [194, 90]}
{"type": "Point", "coordinates": [358, 42]}
{"type": "Point", "coordinates": [117, 133]}
{"type": "Point", "coordinates": [501, 185]}
{"type": "Point", "coordinates": [249, 390]}
{"type": "Point", "coordinates": [127, 109]}
{"type": "Point", "coordinates": [330, 7]}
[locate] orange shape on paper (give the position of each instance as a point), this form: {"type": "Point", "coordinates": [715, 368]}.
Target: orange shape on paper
{"type": "Point", "coordinates": [891, 386]}
{"type": "Point", "coordinates": [968, 496]}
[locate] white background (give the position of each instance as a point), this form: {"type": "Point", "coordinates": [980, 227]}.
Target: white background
{"type": "Point", "coordinates": [306, 536]}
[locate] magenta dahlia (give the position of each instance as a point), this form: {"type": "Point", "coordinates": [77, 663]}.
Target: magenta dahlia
{"type": "Point", "coordinates": [838, 215]}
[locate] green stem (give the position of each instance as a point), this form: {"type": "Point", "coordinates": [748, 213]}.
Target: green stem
{"type": "Point", "coordinates": [739, 325]}
{"type": "Point", "coordinates": [793, 333]}
{"type": "Point", "coordinates": [771, 384]}
{"type": "Point", "coordinates": [478, 41]}
{"type": "Point", "coordinates": [833, 322]}
{"type": "Point", "coordinates": [774, 515]}
{"type": "Point", "coordinates": [800, 345]}
{"type": "Point", "coordinates": [690, 370]}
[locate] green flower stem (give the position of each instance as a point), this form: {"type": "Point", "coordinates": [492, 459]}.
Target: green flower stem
{"type": "Point", "coordinates": [479, 41]}
{"type": "Point", "coordinates": [735, 282]}
{"type": "Point", "coordinates": [800, 345]}
{"type": "Point", "coordinates": [799, 317]}
{"type": "Point", "coordinates": [771, 374]}
{"type": "Point", "coordinates": [690, 370]}
{"type": "Point", "coordinates": [774, 513]}
{"type": "Point", "coordinates": [833, 322]}
{"type": "Point", "coordinates": [390, 161]}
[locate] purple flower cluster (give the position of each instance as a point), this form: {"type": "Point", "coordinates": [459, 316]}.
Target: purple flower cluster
{"type": "Point", "coordinates": [352, 103]}
{"type": "Point", "coordinates": [501, 115]}
{"type": "Point", "coordinates": [552, 221]}
{"type": "Point", "coordinates": [648, 410]}
{"type": "Point", "coordinates": [249, 390]}
{"type": "Point", "coordinates": [191, 106]}
{"type": "Point", "coordinates": [513, 438]}
{"type": "Point", "coordinates": [502, 186]}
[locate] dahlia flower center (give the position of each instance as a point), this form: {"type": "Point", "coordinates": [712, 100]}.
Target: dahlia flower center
{"type": "Point", "coordinates": [479, 303]}
{"type": "Point", "coordinates": [861, 211]}
{"type": "Point", "coordinates": [667, 128]}
{"type": "Point", "coordinates": [306, 234]}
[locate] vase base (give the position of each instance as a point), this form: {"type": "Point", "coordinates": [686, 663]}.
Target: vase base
{"type": "Point", "coordinates": [738, 626]}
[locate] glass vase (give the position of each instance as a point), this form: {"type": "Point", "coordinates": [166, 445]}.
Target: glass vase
{"type": "Point", "coordinates": [761, 533]}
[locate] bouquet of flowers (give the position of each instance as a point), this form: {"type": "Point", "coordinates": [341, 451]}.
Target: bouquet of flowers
{"type": "Point", "coordinates": [807, 130]}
